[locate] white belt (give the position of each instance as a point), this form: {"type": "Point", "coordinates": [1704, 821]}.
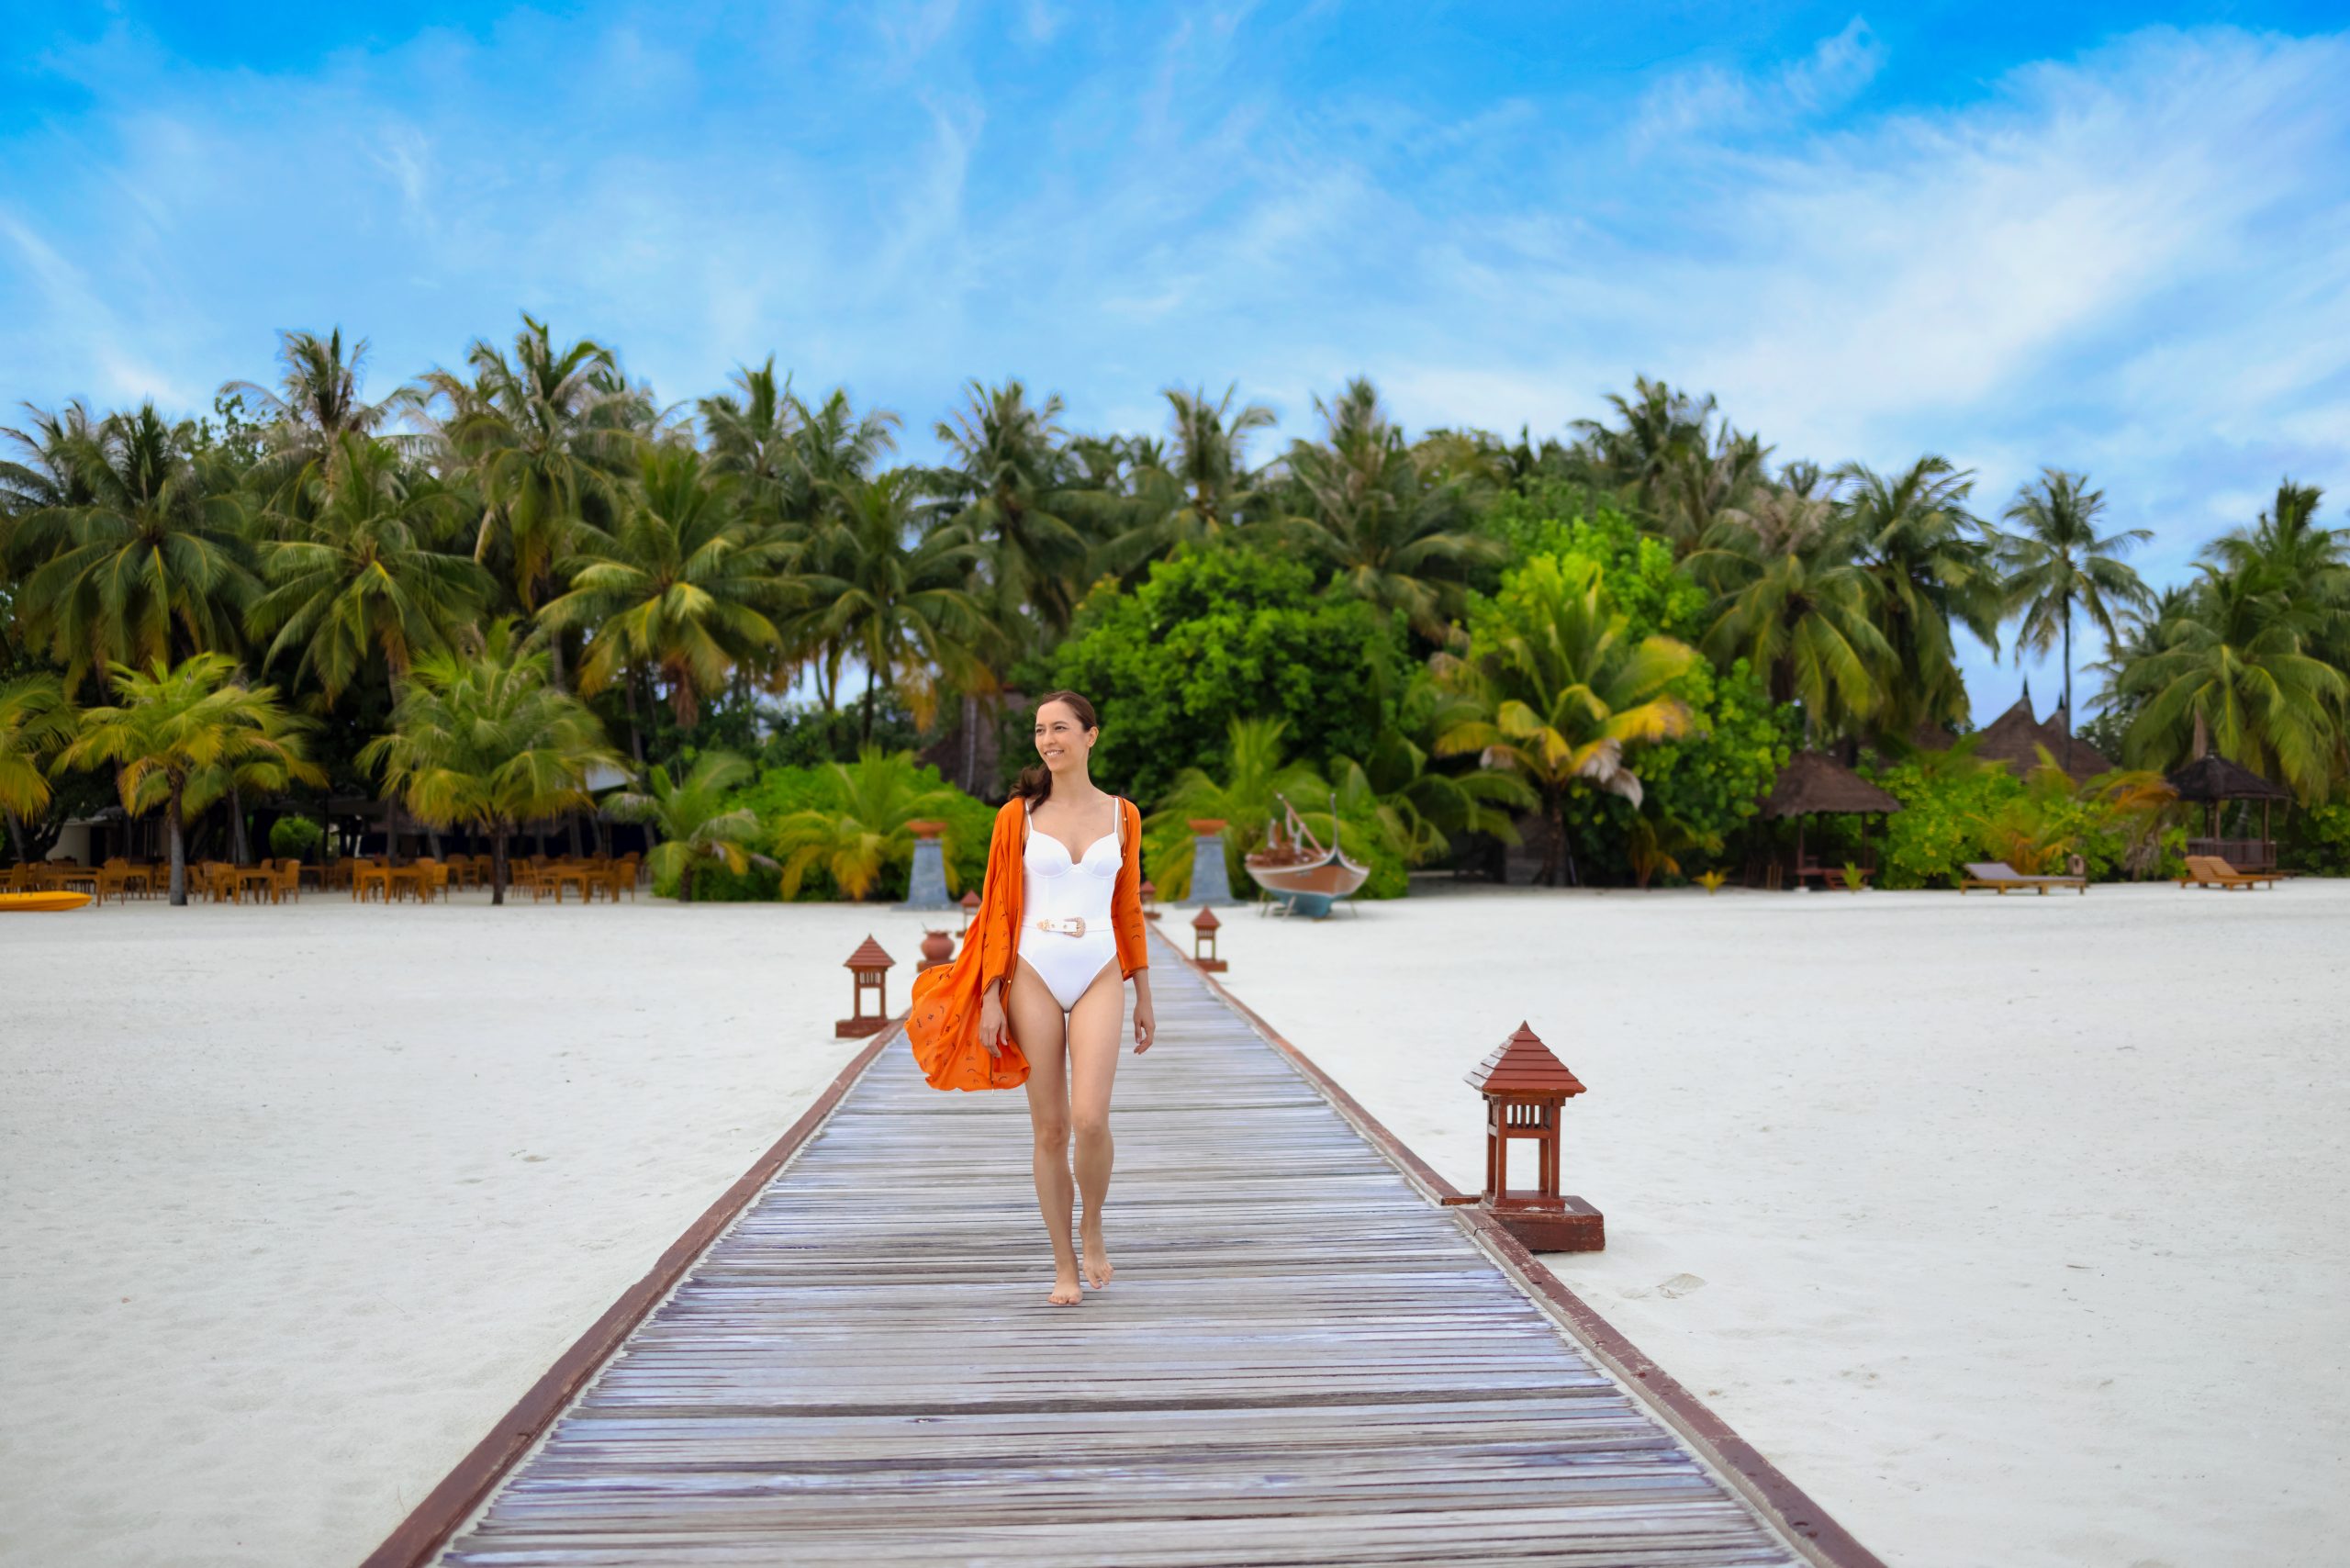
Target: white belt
{"type": "Point", "coordinates": [1074, 925]}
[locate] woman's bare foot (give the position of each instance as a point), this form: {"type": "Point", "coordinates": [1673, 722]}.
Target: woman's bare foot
{"type": "Point", "coordinates": [1065, 1290]}
{"type": "Point", "coordinates": [1097, 1256]}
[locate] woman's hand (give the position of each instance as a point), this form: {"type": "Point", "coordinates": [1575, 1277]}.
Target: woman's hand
{"type": "Point", "coordinates": [1146, 1023]}
{"type": "Point", "coordinates": [992, 1022]}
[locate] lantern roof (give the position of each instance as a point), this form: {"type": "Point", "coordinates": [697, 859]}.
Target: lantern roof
{"type": "Point", "coordinates": [869, 957]}
{"type": "Point", "coordinates": [1524, 1065]}
{"type": "Point", "coordinates": [970, 898]}
{"type": "Point", "coordinates": [1205, 920]}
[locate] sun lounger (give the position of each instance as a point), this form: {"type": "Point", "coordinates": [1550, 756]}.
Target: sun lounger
{"type": "Point", "coordinates": [2211, 871]}
{"type": "Point", "coordinates": [2000, 876]}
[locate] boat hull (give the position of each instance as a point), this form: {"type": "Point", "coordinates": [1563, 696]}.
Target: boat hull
{"type": "Point", "coordinates": [38, 903]}
{"type": "Point", "coordinates": [1310, 890]}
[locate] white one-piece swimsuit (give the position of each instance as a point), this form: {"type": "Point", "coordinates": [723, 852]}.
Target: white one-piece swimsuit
{"type": "Point", "coordinates": [1054, 888]}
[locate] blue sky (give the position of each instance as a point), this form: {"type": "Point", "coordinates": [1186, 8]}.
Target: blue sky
{"type": "Point", "coordinates": [2104, 238]}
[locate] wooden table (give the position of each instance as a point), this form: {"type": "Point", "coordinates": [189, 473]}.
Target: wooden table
{"type": "Point", "coordinates": [1302, 1360]}
{"type": "Point", "coordinates": [563, 875]}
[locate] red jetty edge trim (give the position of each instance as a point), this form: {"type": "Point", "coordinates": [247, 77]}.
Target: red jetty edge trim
{"type": "Point", "coordinates": [419, 1538]}
{"type": "Point", "coordinates": [1788, 1506]}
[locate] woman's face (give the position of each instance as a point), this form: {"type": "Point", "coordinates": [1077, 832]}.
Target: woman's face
{"type": "Point", "coordinates": [1061, 741]}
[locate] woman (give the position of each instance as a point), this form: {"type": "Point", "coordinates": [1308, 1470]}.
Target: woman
{"type": "Point", "coordinates": [1065, 868]}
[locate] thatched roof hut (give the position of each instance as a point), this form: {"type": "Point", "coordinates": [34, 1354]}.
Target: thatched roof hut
{"type": "Point", "coordinates": [2214, 778]}
{"type": "Point", "coordinates": [1813, 782]}
{"type": "Point", "coordinates": [2015, 737]}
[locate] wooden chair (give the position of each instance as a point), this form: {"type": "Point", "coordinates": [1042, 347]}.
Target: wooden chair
{"type": "Point", "coordinates": [289, 880]}
{"type": "Point", "coordinates": [435, 880]}
{"type": "Point", "coordinates": [2211, 871]}
{"type": "Point", "coordinates": [2000, 875]}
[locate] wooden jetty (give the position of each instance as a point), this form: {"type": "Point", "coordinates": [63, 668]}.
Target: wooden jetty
{"type": "Point", "coordinates": [1301, 1361]}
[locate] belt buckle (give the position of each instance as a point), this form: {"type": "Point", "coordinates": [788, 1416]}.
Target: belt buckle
{"type": "Point", "coordinates": [1074, 925]}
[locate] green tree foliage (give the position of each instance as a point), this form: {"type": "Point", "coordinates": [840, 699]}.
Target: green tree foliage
{"type": "Point", "coordinates": [1216, 633]}
{"type": "Point", "coordinates": [678, 588]}
{"type": "Point", "coordinates": [176, 730]}
{"type": "Point", "coordinates": [859, 828]}
{"type": "Point", "coordinates": [37, 721]}
{"type": "Point", "coordinates": [1555, 688]}
{"type": "Point", "coordinates": [701, 832]}
{"type": "Point", "coordinates": [356, 574]}
{"type": "Point", "coordinates": [486, 741]}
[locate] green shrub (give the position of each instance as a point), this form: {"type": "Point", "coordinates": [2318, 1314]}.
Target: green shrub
{"type": "Point", "coordinates": [292, 838]}
{"type": "Point", "coordinates": [779, 792]}
{"type": "Point", "coordinates": [1210, 634]}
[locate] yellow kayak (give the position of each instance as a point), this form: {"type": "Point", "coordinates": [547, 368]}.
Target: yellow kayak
{"type": "Point", "coordinates": [41, 901]}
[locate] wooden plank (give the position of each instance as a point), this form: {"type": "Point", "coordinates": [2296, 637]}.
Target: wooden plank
{"type": "Point", "coordinates": [419, 1537]}
{"type": "Point", "coordinates": [1301, 1361]}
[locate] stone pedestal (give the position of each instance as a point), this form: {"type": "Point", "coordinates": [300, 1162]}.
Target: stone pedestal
{"type": "Point", "coordinates": [1211, 885]}
{"type": "Point", "coordinates": [927, 888]}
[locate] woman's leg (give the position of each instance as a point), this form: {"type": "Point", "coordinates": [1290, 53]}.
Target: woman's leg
{"type": "Point", "coordinates": [1036, 1023]}
{"type": "Point", "coordinates": [1093, 1026]}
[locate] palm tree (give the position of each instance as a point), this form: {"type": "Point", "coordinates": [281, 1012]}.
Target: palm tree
{"type": "Point", "coordinates": [1926, 564]}
{"type": "Point", "coordinates": [894, 601]}
{"type": "Point", "coordinates": [695, 826]}
{"type": "Point", "coordinates": [355, 574]}
{"type": "Point", "coordinates": [528, 425]}
{"type": "Point", "coordinates": [680, 585]}
{"type": "Point", "coordinates": [152, 564]}
{"type": "Point", "coordinates": [1419, 809]}
{"type": "Point", "coordinates": [488, 742]}
{"type": "Point", "coordinates": [756, 437]}
{"type": "Point", "coordinates": [2058, 564]}
{"type": "Point", "coordinates": [178, 724]}
{"type": "Point", "coordinates": [861, 827]}
{"type": "Point", "coordinates": [315, 403]}
{"type": "Point", "coordinates": [2231, 673]}
{"type": "Point", "coordinates": [1801, 615]}
{"type": "Point", "coordinates": [1661, 429]}
{"type": "Point", "coordinates": [1200, 490]}
{"type": "Point", "coordinates": [1553, 688]}
{"type": "Point", "coordinates": [1009, 484]}
{"type": "Point", "coordinates": [1369, 518]}
{"type": "Point", "coordinates": [46, 475]}
{"type": "Point", "coordinates": [36, 720]}
{"type": "Point", "coordinates": [1257, 771]}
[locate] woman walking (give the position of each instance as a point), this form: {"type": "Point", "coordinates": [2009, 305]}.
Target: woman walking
{"type": "Point", "coordinates": [1058, 933]}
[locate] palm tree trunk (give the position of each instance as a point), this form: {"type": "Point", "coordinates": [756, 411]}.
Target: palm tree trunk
{"type": "Point", "coordinates": [970, 742]}
{"type": "Point", "coordinates": [432, 840]}
{"type": "Point", "coordinates": [635, 734]}
{"type": "Point", "coordinates": [497, 864]}
{"type": "Point", "coordinates": [686, 881]}
{"type": "Point", "coordinates": [16, 835]}
{"type": "Point", "coordinates": [865, 737]}
{"type": "Point", "coordinates": [2068, 687]}
{"type": "Point", "coordinates": [178, 850]}
{"type": "Point", "coordinates": [392, 829]}
{"type": "Point", "coordinates": [240, 850]}
{"type": "Point", "coordinates": [1562, 848]}
{"type": "Point", "coordinates": [573, 819]}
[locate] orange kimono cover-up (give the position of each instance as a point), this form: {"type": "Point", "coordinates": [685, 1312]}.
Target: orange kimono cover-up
{"type": "Point", "coordinates": [943, 1026]}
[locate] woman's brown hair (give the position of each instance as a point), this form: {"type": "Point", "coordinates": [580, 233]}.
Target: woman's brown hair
{"type": "Point", "coordinates": [1037, 783]}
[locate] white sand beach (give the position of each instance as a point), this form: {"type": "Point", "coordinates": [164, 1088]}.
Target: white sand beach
{"type": "Point", "coordinates": [300, 1200]}
{"type": "Point", "coordinates": [2016, 1218]}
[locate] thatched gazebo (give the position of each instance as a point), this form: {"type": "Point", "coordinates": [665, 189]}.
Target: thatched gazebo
{"type": "Point", "coordinates": [2211, 780]}
{"type": "Point", "coordinates": [1815, 784]}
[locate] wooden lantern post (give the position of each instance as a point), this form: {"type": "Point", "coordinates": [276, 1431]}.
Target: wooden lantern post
{"type": "Point", "coordinates": [1204, 928]}
{"type": "Point", "coordinates": [1524, 1087]}
{"type": "Point", "coordinates": [871, 966]}
{"type": "Point", "coordinates": [970, 908]}
{"type": "Point", "coordinates": [1149, 899]}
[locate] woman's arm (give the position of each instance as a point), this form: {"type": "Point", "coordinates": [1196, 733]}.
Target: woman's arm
{"type": "Point", "coordinates": [1145, 1014]}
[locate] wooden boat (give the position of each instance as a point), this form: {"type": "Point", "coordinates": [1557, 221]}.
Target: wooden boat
{"type": "Point", "coordinates": [31, 902]}
{"type": "Point", "coordinates": [1296, 870]}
